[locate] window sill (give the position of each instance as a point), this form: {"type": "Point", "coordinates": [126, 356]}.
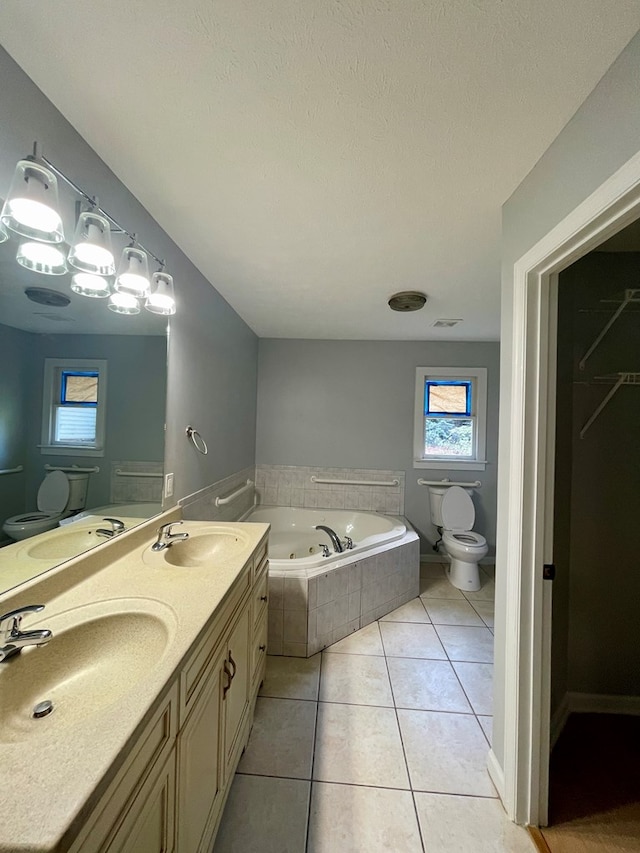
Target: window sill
{"type": "Point", "coordinates": [70, 450]}
{"type": "Point", "coordinates": [451, 465]}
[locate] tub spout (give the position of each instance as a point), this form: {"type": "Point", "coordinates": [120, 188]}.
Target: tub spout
{"type": "Point", "coordinates": [335, 539]}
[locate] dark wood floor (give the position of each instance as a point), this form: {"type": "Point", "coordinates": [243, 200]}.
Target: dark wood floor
{"type": "Point", "coordinates": [594, 786]}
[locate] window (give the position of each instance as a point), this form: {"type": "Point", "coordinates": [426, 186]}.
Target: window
{"type": "Point", "coordinates": [73, 410]}
{"type": "Point", "coordinates": [450, 418]}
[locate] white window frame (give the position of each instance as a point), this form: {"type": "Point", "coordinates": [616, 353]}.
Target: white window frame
{"type": "Point", "coordinates": [53, 367]}
{"type": "Point", "coordinates": [478, 378]}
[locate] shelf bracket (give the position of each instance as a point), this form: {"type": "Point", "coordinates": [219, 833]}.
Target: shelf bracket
{"type": "Point", "coordinates": [620, 379]}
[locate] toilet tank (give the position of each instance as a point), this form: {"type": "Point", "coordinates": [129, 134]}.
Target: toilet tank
{"type": "Point", "coordinates": [78, 484]}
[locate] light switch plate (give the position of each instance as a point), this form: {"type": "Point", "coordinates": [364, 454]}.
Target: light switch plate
{"type": "Point", "coordinates": [168, 485]}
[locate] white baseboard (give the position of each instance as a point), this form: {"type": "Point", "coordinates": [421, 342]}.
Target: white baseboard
{"type": "Point", "coordinates": [497, 774]}
{"type": "Point", "coordinates": [589, 703]}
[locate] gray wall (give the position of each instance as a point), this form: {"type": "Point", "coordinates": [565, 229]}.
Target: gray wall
{"type": "Point", "coordinates": [15, 358]}
{"type": "Point", "coordinates": [599, 139]}
{"type": "Point", "coordinates": [605, 475]}
{"type": "Point", "coordinates": [212, 352]}
{"type": "Point", "coordinates": [351, 404]}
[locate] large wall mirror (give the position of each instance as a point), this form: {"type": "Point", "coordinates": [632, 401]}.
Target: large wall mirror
{"type": "Point", "coordinates": [40, 329]}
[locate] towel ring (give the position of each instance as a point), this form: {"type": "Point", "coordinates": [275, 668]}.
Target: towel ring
{"type": "Point", "coordinates": [198, 441]}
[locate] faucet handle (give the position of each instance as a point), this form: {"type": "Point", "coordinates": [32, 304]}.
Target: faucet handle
{"type": "Point", "coordinates": [325, 549]}
{"type": "Point", "coordinates": [166, 528]}
{"type": "Point", "coordinates": [10, 622]}
{"type": "Point", "coordinates": [117, 525]}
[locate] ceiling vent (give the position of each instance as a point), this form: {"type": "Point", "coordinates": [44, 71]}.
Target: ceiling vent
{"type": "Point", "coordinates": [44, 296]}
{"type": "Point", "coordinates": [446, 324]}
{"type": "Point", "coordinates": [407, 300]}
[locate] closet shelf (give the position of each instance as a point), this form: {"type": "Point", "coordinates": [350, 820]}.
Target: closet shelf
{"type": "Point", "coordinates": [631, 295]}
{"type": "Point", "coordinates": [618, 379]}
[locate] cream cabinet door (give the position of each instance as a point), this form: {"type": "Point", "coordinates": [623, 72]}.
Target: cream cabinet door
{"type": "Point", "coordinates": [237, 674]}
{"type": "Point", "coordinates": [200, 764]}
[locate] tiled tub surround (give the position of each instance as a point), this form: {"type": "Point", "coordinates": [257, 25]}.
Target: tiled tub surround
{"type": "Point", "coordinates": [309, 609]}
{"type": "Point", "coordinates": [291, 485]}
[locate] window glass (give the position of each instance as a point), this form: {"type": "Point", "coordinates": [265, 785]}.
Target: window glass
{"type": "Point", "coordinates": [79, 387]}
{"type": "Point", "coordinates": [448, 398]}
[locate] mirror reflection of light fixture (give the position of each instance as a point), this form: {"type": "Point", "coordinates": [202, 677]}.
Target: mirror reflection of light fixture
{"type": "Point", "coordinates": [41, 257]}
{"type": "Point", "coordinates": [133, 273]}
{"type": "Point", "coordinates": [91, 248]}
{"type": "Point", "coordinates": [123, 303]}
{"type": "Point", "coordinates": [161, 300]}
{"type": "Point", "coordinates": [31, 208]}
{"type": "Point", "coordinates": [87, 284]}
{"type": "Point", "coordinates": [4, 234]}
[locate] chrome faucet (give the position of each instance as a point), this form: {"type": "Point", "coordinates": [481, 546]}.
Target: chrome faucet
{"type": "Point", "coordinates": [13, 639]}
{"type": "Point", "coordinates": [167, 538]}
{"type": "Point", "coordinates": [335, 539]}
{"type": "Point", "coordinates": [117, 526]}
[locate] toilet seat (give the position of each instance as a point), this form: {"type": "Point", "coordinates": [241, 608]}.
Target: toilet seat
{"type": "Point", "coordinates": [458, 513]}
{"type": "Point", "coordinates": [467, 538]}
{"type": "Point", "coordinates": [53, 493]}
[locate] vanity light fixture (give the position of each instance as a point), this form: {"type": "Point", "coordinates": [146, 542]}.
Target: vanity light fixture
{"type": "Point", "coordinates": [133, 273]}
{"type": "Point", "coordinates": [31, 211]}
{"type": "Point", "coordinates": [93, 286]}
{"type": "Point", "coordinates": [39, 257]}
{"type": "Point", "coordinates": [91, 248]}
{"type": "Point", "coordinates": [123, 303]}
{"type": "Point", "coordinates": [161, 300]}
{"type": "Point", "coordinates": [31, 208]}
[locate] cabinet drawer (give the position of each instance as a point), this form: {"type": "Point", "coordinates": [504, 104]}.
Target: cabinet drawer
{"type": "Point", "coordinates": [260, 596]}
{"type": "Point", "coordinates": [193, 674]}
{"type": "Point", "coordinates": [150, 751]}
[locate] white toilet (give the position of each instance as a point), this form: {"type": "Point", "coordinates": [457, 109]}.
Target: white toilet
{"type": "Point", "coordinates": [59, 496]}
{"type": "Point", "coordinates": [452, 511]}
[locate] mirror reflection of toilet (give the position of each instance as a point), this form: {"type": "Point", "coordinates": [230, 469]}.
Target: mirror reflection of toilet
{"type": "Point", "coordinates": [452, 511]}
{"type": "Point", "coordinates": [59, 496]}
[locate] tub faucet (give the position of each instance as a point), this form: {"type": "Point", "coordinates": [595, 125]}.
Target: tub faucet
{"type": "Point", "coordinates": [335, 539]}
{"type": "Point", "coordinates": [117, 526]}
{"type": "Point", "coordinates": [167, 538]}
{"type": "Point", "coordinates": [13, 639]}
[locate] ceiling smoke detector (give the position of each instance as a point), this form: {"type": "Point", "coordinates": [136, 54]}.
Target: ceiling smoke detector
{"type": "Point", "coordinates": [44, 296]}
{"type": "Point", "coordinates": [407, 300]}
{"type": "Point", "coordinates": [446, 324]}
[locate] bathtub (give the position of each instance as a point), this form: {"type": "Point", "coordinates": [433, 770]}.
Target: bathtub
{"type": "Point", "coordinates": [295, 544]}
{"type": "Point", "coordinates": [315, 601]}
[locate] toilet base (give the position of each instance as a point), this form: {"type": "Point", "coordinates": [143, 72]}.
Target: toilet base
{"type": "Point", "coordinates": [464, 575]}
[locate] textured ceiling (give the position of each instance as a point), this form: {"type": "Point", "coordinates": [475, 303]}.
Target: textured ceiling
{"type": "Point", "coordinates": [312, 157]}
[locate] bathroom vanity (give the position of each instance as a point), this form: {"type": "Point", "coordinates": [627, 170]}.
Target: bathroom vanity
{"type": "Point", "coordinates": [153, 671]}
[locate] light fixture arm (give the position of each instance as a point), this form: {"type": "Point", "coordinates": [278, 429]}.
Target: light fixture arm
{"type": "Point", "coordinates": [93, 202]}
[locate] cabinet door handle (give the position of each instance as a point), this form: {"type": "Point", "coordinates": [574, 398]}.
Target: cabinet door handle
{"type": "Point", "coordinates": [233, 664]}
{"type": "Point", "coordinates": [262, 647]}
{"type": "Point", "coordinates": [263, 598]}
{"type": "Point", "coordinates": [227, 672]}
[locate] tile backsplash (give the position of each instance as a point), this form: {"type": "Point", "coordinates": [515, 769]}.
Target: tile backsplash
{"type": "Point", "coordinates": [136, 481]}
{"type": "Point", "coordinates": [292, 485]}
{"type": "Point", "coordinates": [201, 505]}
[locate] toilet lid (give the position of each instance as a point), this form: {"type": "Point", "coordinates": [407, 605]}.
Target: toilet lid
{"type": "Point", "coordinates": [457, 510]}
{"type": "Point", "coordinates": [53, 493]}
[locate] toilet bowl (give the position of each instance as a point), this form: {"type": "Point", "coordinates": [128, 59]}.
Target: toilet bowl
{"type": "Point", "coordinates": [452, 511]}
{"type": "Point", "coordinates": [59, 496]}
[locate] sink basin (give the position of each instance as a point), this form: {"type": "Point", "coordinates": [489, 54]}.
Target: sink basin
{"type": "Point", "coordinates": [62, 546]}
{"type": "Point", "coordinates": [204, 548]}
{"type": "Point", "coordinates": [98, 652]}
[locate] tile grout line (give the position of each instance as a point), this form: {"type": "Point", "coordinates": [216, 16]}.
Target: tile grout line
{"type": "Point", "coordinates": [313, 756]}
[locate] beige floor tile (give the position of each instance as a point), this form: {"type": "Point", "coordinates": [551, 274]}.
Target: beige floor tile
{"type": "Point", "coordinates": [265, 815]}
{"type": "Point", "coordinates": [485, 610]}
{"type": "Point", "coordinates": [439, 588]}
{"type": "Point", "coordinates": [428, 685]}
{"type": "Point", "coordinates": [490, 571]}
{"type": "Point", "coordinates": [477, 680]}
{"type": "Point", "coordinates": [431, 570]}
{"type": "Point", "coordinates": [487, 592]}
{"type": "Point", "coordinates": [281, 741]}
{"type": "Point", "coordinates": [353, 819]}
{"type": "Point", "coordinates": [449, 611]}
{"type": "Point", "coordinates": [412, 611]}
{"type": "Point", "coordinates": [366, 641]}
{"type": "Point", "coordinates": [402, 639]}
{"type": "Point", "coordinates": [487, 727]}
{"type": "Point", "coordinates": [467, 644]}
{"type": "Point", "coordinates": [360, 745]}
{"type": "Point", "coordinates": [355, 680]}
{"type": "Point", "coordinates": [446, 753]}
{"type": "Point", "coordinates": [469, 825]}
{"type": "Point", "coordinates": [292, 678]}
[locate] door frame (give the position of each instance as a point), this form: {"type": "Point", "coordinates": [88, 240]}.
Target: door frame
{"type": "Point", "coordinates": [528, 484]}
